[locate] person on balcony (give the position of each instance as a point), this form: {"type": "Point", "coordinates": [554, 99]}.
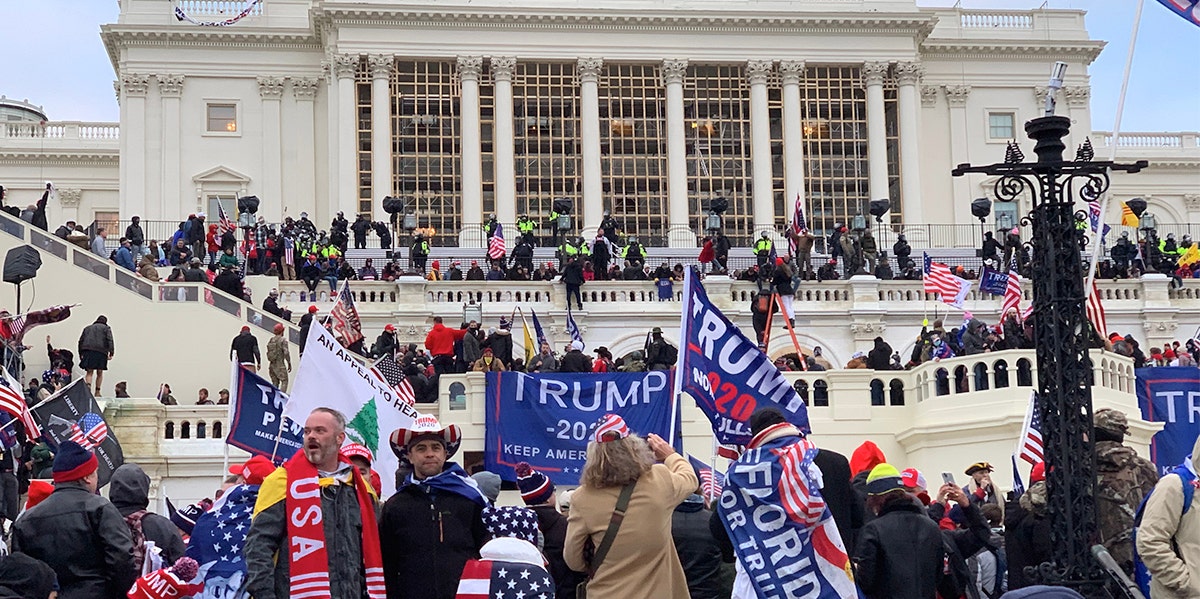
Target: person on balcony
{"type": "Point", "coordinates": [135, 235]}
{"type": "Point", "coordinates": [440, 343]}
{"type": "Point", "coordinates": [245, 350]}
{"type": "Point", "coordinates": [635, 253]}
{"type": "Point", "coordinates": [763, 248]}
{"type": "Point", "coordinates": [124, 255]}
{"type": "Point", "coordinates": [147, 270]}
{"type": "Point", "coordinates": [418, 253]}
{"type": "Point", "coordinates": [522, 255]}
{"type": "Point", "coordinates": [475, 273]}
{"type": "Point", "coordinates": [279, 358]}
{"type": "Point", "coordinates": [525, 227]}
{"type": "Point", "coordinates": [488, 362]}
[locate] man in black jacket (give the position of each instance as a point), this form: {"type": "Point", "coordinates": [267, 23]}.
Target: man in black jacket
{"type": "Point", "coordinates": [538, 493]}
{"type": "Point", "coordinates": [434, 523]}
{"type": "Point", "coordinates": [129, 492]}
{"type": "Point", "coordinates": [699, 552]}
{"type": "Point", "coordinates": [136, 237]}
{"type": "Point", "coordinates": [245, 349]}
{"type": "Point", "coordinates": [572, 277]}
{"type": "Point", "coordinates": [79, 534]}
{"type": "Point", "coordinates": [574, 360]}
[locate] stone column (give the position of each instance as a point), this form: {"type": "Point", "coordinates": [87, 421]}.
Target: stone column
{"type": "Point", "coordinates": [133, 145]}
{"type": "Point", "coordinates": [502, 139]}
{"type": "Point", "coordinates": [792, 71]}
{"type": "Point", "coordinates": [69, 198]}
{"type": "Point", "coordinates": [592, 210]}
{"type": "Point", "coordinates": [170, 88]}
{"type": "Point", "coordinates": [908, 75]}
{"type": "Point", "coordinates": [471, 235]}
{"type": "Point", "coordinates": [680, 234]}
{"type": "Point", "coordinates": [757, 72]}
{"type": "Point", "coordinates": [270, 190]}
{"type": "Point", "coordinates": [381, 133]}
{"type": "Point", "coordinates": [346, 199]}
{"type": "Point", "coordinates": [877, 171]}
{"type": "Point", "coordinates": [300, 186]}
{"type": "Point", "coordinates": [1078, 100]}
{"type": "Point", "coordinates": [956, 97]}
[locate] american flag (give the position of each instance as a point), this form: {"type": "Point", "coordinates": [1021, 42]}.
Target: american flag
{"type": "Point", "coordinates": [938, 279]}
{"type": "Point", "coordinates": [1094, 218]}
{"type": "Point", "coordinates": [572, 328]}
{"type": "Point", "coordinates": [223, 222]}
{"type": "Point", "coordinates": [90, 431]}
{"type": "Point", "coordinates": [18, 325]}
{"type": "Point", "coordinates": [218, 537]}
{"type": "Point", "coordinates": [496, 249]}
{"type": "Point", "coordinates": [489, 579]}
{"type": "Point", "coordinates": [711, 481]}
{"type": "Point", "coordinates": [289, 251]}
{"type": "Point", "coordinates": [1031, 449]}
{"type": "Point", "coordinates": [798, 224]}
{"type": "Point", "coordinates": [1012, 293]}
{"type": "Point", "coordinates": [346, 326]}
{"type": "Point", "coordinates": [12, 402]}
{"type": "Point", "coordinates": [1095, 311]}
{"type": "Point", "coordinates": [391, 373]}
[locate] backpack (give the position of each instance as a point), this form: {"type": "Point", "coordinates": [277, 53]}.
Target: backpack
{"type": "Point", "coordinates": [1141, 575]}
{"type": "Point", "coordinates": [668, 355]}
{"type": "Point", "coordinates": [134, 522]}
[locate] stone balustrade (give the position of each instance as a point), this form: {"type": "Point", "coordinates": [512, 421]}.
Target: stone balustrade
{"type": "Point", "coordinates": [65, 131]}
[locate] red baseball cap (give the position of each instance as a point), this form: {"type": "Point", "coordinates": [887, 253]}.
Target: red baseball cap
{"type": "Point", "coordinates": [1038, 474]}
{"type": "Point", "coordinates": [912, 478]}
{"type": "Point", "coordinates": [255, 470]}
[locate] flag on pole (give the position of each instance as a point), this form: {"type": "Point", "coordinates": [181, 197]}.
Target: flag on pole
{"type": "Point", "coordinates": [12, 402]}
{"type": "Point", "coordinates": [18, 325]}
{"type": "Point", "coordinates": [530, 349]}
{"type": "Point", "coordinates": [1031, 449]}
{"type": "Point", "coordinates": [223, 222]}
{"type": "Point", "coordinates": [1094, 219]}
{"type": "Point", "coordinates": [938, 279]}
{"type": "Point", "coordinates": [73, 414]}
{"type": "Point", "coordinates": [1012, 293]}
{"type": "Point", "coordinates": [572, 328]}
{"type": "Point", "coordinates": [387, 369]}
{"type": "Point", "coordinates": [711, 481]}
{"type": "Point", "coordinates": [1128, 218]}
{"type": "Point", "coordinates": [537, 328]}
{"type": "Point", "coordinates": [799, 224]}
{"type": "Point", "coordinates": [1188, 9]}
{"type": "Point", "coordinates": [1095, 312]}
{"type": "Point", "coordinates": [496, 248]}
{"type": "Point", "coordinates": [346, 325]}
{"type": "Point", "coordinates": [1018, 485]}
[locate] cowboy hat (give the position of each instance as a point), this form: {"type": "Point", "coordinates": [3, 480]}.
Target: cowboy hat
{"type": "Point", "coordinates": [424, 427]}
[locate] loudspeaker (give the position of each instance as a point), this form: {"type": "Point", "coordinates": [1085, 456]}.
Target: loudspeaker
{"type": "Point", "coordinates": [21, 263]}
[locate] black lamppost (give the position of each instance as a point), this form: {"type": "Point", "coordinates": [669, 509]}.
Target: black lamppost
{"type": "Point", "coordinates": [1061, 335]}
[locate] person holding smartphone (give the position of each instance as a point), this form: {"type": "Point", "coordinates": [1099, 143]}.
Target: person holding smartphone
{"type": "Point", "coordinates": [980, 489]}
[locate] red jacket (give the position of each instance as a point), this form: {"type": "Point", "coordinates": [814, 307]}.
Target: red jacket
{"type": "Point", "coordinates": [440, 340]}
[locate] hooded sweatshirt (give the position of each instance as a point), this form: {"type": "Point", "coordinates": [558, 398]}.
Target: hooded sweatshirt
{"type": "Point", "coordinates": [129, 491]}
{"type": "Point", "coordinates": [865, 457]}
{"type": "Point", "coordinates": [23, 577]}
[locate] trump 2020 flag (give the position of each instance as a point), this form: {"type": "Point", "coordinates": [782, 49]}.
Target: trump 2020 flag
{"type": "Point", "coordinates": [725, 372]}
{"type": "Point", "coordinates": [256, 422]}
{"type": "Point", "coordinates": [330, 377]}
{"type": "Point", "coordinates": [72, 414]}
{"type": "Point", "coordinates": [772, 499]}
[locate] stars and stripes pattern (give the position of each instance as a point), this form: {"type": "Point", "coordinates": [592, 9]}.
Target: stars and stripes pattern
{"type": "Point", "coordinates": [90, 431]}
{"type": "Point", "coordinates": [223, 222]}
{"type": "Point", "coordinates": [610, 428]}
{"type": "Point", "coordinates": [496, 247]}
{"type": "Point", "coordinates": [12, 402]}
{"type": "Point", "coordinates": [1012, 293]}
{"type": "Point", "coordinates": [1095, 311]}
{"type": "Point", "coordinates": [217, 540]}
{"type": "Point", "coordinates": [16, 326]}
{"type": "Point", "coordinates": [346, 325]}
{"type": "Point", "coordinates": [801, 503]}
{"type": "Point", "coordinates": [938, 279]}
{"type": "Point", "coordinates": [711, 481]}
{"type": "Point", "coordinates": [487, 579]}
{"type": "Point", "coordinates": [799, 224]}
{"type": "Point", "coordinates": [390, 372]}
{"type": "Point", "coordinates": [1188, 9]}
{"type": "Point", "coordinates": [1031, 449]}
{"type": "Point", "coordinates": [1094, 219]}
{"type": "Point", "coordinates": [514, 521]}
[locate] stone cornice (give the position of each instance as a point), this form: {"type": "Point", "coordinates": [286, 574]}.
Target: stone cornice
{"type": "Point", "coordinates": [117, 37]}
{"type": "Point", "coordinates": [60, 158]}
{"type": "Point", "coordinates": [1086, 51]}
{"type": "Point", "coordinates": [497, 17]}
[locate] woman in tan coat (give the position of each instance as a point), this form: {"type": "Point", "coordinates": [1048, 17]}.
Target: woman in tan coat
{"type": "Point", "coordinates": [642, 561]}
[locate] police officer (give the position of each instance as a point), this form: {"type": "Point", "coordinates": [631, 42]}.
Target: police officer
{"type": "Point", "coordinates": [635, 253]}
{"type": "Point", "coordinates": [762, 249]}
{"type": "Point", "coordinates": [522, 255]}
{"type": "Point", "coordinates": [609, 225]}
{"type": "Point", "coordinates": [566, 251]}
{"type": "Point", "coordinates": [490, 226]}
{"type": "Point", "coordinates": [525, 226]}
{"type": "Point", "coordinates": [418, 253]}
{"type": "Point", "coordinates": [581, 248]}
{"type": "Point", "coordinates": [1122, 480]}
{"type": "Point", "coordinates": [1122, 252]}
{"type": "Point", "coordinates": [902, 251]}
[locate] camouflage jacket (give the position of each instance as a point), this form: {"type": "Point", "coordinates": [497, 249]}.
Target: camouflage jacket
{"type": "Point", "coordinates": [1122, 480]}
{"type": "Point", "coordinates": [277, 351]}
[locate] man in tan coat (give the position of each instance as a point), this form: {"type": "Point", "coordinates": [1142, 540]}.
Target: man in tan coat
{"type": "Point", "coordinates": [642, 561]}
{"type": "Point", "coordinates": [1164, 528]}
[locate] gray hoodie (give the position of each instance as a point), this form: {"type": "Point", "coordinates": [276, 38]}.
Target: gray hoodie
{"type": "Point", "coordinates": [129, 491]}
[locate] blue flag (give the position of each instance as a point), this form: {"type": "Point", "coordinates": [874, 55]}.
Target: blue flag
{"type": "Point", "coordinates": [726, 373]}
{"type": "Point", "coordinates": [1171, 395]}
{"type": "Point", "coordinates": [771, 500]}
{"type": "Point", "coordinates": [993, 281]}
{"type": "Point", "coordinates": [1018, 485]}
{"type": "Point", "coordinates": [572, 328]}
{"type": "Point", "coordinates": [546, 419]}
{"type": "Point", "coordinates": [217, 540]}
{"type": "Point", "coordinates": [257, 416]}
{"type": "Point", "coordinates": [1188, 9]}
{"type": "Point", "coordinates": [537, 329]}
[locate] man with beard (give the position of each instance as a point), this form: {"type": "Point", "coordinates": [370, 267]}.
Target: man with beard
{"type": "Point", "coordinates": [314, 531]}
{"type": "Point", "coordinates": [434, 522]}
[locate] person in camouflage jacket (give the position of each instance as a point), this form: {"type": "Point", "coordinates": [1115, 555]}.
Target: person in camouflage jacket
{"type": "Point", "coordinates": [1122, 480]}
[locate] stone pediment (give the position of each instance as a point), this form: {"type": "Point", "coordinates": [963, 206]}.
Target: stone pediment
{"type": "Point", "coordinates": [221, 174]}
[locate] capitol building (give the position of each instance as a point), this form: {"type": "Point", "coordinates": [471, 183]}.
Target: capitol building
{"type": "Point", "coordinates": [647, 109]}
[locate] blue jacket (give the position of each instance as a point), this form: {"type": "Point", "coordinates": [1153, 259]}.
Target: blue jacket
{"type": "Point", "coordinates": [125, 258]}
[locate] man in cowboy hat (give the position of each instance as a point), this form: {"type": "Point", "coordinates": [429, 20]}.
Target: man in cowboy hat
{"type": "Point", "coordinates": [434, 522]}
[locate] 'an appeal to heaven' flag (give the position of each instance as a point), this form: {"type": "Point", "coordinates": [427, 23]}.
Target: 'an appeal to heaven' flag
{"type": "Point", "coordinates": [771, 501]}
{"type": "Point", "coordinates": [256, 421]}
{"type": "Point", "coordinates": [1169, 394]}
{"type": "Point", "coordinates": [329, 376]}
{"type": "Point", "coordinates": [725, 372]}
{"type": "Point", "coordinates": [74, 411]}
{"type": "Point", "coordinates": [546, 419]}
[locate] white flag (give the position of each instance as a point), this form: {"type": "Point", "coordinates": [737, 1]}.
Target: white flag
{"type": "Point", "coordinates": [331, 377]}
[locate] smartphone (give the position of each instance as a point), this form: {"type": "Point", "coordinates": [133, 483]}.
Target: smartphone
{"type": "Point", "coordinates": [948, 478]}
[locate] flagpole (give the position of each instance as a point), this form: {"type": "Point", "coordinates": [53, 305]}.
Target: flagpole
{"type": "Point", "coordinates": [1112, 152]}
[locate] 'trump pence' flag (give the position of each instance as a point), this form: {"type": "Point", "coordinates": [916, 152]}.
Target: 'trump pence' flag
{"type": "Point", "coordinates": [330, 377]}
{"type": "Point", "coordinates": [726, 373]}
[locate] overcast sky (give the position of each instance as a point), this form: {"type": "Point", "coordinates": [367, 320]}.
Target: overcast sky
{"type": "Point", "coordinates": [56, 59]}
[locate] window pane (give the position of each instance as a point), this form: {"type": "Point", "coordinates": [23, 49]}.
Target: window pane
{"type": "Point", "coordinates": [222, 117]}
{"type": "Point", "coordinates": [1001, 125]}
